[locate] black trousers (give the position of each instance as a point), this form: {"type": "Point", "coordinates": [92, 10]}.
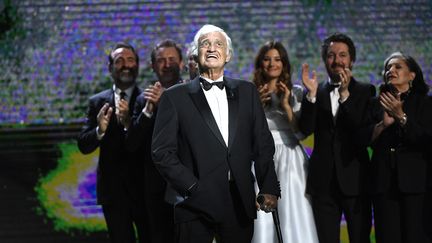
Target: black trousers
{"type": "Point", "coordinates": [160, 217]}
{"type": "Point", "coordinates": [328, 210]}
{"type": "Point", "coordinates": [123, 218]}
{"type": "Point", "coordinates": [236, 228]}
{"type": "Point", "coordinates": [399, 218]}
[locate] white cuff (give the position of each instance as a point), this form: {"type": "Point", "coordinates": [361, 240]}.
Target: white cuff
{"type": "Point", "coordinates": [98, 134]}
{"type": "Point", "coordinates": [146, 112]}
{"type": "Point", "coordinates": [311, 99]}
{"type": "Point", "coordinates": [343, 100]}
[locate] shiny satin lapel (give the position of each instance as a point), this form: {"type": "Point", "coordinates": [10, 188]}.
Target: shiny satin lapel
{"type": "Point", "coordinates": [110, 100]}
{"type": "Point", "coordinates": [200, 101]}
{"type": "Point", "coordinates": [325, 90]}
{"type": "Point", "coordinates": [133, 97]}
{"type": "Point", "coordinates": [232, 96]}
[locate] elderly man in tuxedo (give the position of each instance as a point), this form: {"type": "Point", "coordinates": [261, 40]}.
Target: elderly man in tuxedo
{"type": "Point", "coordinates": [208, 133]}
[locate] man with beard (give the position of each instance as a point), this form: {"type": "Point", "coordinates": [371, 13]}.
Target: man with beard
{"type": "Point", "coordinates": [120, 183]}
{"type": "Point", "coordinates": [334, 111]}
{"type": "Point", "coordinates": [167, 62]}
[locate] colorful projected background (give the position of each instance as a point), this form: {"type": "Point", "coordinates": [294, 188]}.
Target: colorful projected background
{"type": "Point", "coordinates": [53, 54]}
{"type": "Point", "coordinates": [68, 193]}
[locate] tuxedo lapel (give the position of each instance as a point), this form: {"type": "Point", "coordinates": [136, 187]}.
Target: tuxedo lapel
{"type": "Point", "coordinates": [200, 101]}
{"type": "Point", "coordinates": [326, 101]}
{"type": "Point", "coordinates": [232, 96]}
{"type": "Point", "coordinates": [110, 100]}
{"type": "Point", "coordinates": [135, 93]}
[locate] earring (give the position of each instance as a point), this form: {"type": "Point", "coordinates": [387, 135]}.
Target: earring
{"type": "Point", "coordinates": [410, 83]}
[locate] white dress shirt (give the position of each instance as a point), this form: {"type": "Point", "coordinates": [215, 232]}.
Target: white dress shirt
{"type": "Point", "coordinates": [117, 91]}
{"type": "Point", "coordinates": [218, 102]}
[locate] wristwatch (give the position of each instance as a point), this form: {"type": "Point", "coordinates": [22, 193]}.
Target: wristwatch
{"type": "Point", "coordinates": [403, 120]}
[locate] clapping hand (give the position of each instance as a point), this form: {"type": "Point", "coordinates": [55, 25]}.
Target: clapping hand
{"type": "Point", "coordinates": [310, 83]}
{"type": "Point", "coordinates": [392, 104]}
{"type": "Point", "coordinates": [123, 113]}
{"type": "Point", "coordinates": [264, 94]}
{"type": "Point", "coordinates": [104, 117]}
{"type": "Point", "coordinates": [285, 97]}
{"type": "Point", "coordinates": [152, 94]}
{"type": "Point", "coordinates": [345, 79]}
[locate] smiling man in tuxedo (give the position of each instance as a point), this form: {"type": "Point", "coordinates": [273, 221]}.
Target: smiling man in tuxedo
{"type": "Point", "coordinates": [334, 111]}
{"type": "Point", "coordinates": [167, 62]}
{"type": "Point", "coordinates": [208, 133]}
{"type": "Point", "coordinates": [120, 177]}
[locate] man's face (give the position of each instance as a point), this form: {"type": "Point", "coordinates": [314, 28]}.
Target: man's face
{"type": "Point", "coordinates": [167, 66]}
{"type": "Point", "coordinates": [192, 66]}
{"type": "Point", "coordinates": [124, 69]}
{"type": "Point", "coordinates": [338, 58]}
{"type": "Point", "coordinates": [212, 51]}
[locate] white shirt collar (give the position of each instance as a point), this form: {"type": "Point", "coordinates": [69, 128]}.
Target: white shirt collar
{"type": "Point", "coordinates": [128, 91]}
{"type": "Point", "coordinates": [211, 81]}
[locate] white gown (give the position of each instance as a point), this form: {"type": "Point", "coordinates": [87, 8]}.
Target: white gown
{"type": "Point", "coordinates": [295, 213]}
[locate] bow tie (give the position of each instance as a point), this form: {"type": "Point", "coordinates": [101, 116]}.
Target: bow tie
{"type": "Point", "coordinates": [123, 95]}
{"type": "Point", "coordinates": [332, 86]}
{"type": "Point", "coordinates": [207, 85]}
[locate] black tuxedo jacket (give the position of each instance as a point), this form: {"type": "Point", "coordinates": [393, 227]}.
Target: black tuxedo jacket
{"type": "Point", "coordinates": [339, 150]}
{"type": "Point", "coordinates": [138, 139]}
{"type": "Point", "coordinates": [188, 149]}
{"type": "Point", "coordinates": [401, 151]}
{"type": "Point", "coordinates": [119, 173]}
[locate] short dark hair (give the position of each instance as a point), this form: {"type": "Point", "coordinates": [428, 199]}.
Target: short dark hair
{"type": "Point", "coordinates": [163, 44]}
{"type": "Point", "coordinates": [121, 45]}
{"type": "Point", "coordinates": [419, 85]}
{"type": "Point", "coordinates": [338, 37]}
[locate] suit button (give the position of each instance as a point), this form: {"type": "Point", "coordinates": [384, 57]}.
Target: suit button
{"type": "Point", "coordinates": [392, 149]}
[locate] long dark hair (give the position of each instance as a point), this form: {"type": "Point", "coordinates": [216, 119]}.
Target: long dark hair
{"type": "Point", "coordinates": [259, 75]}
{"type": "Point", "coordinates": [418, 85]}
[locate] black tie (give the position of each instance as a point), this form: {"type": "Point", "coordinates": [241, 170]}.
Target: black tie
{"type": "Point", "coordinates": [207, 85]}
{"type": "Point", "coordinates": [332, 86]}
{"type": "Point", "coordinates": [122, 95]}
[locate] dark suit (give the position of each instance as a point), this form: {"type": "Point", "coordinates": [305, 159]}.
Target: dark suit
{"type": "Point", "coordinates": [160, 213]}
{"type": "Point", "coordinates": [398, 177]}
{"type": "Point", "coordinates": [190, 152]}
{"type": "Point", "coordinates": [337, 167]}
{"type": "Point", "coordinates": [120, 180]}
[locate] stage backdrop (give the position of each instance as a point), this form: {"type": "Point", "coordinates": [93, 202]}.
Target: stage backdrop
{"type": "Point", "coordinates": [54, 56]}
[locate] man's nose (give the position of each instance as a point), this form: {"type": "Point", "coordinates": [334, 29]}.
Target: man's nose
{"type": "Point", "coordinates": [167, 63]}
{"type": "Point", "coordinates": [212, 47]}
{"type": "Point", "coordinates": [337, 60]}
{"type": "Point", "coordinates": [128, 65]}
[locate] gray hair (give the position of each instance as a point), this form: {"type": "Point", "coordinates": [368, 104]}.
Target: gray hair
{"type": "Point", "coordinates": [208, 28]}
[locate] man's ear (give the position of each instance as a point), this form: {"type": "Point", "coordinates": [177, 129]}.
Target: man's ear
{"type": "Point", "coordinates": [228, 59]}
